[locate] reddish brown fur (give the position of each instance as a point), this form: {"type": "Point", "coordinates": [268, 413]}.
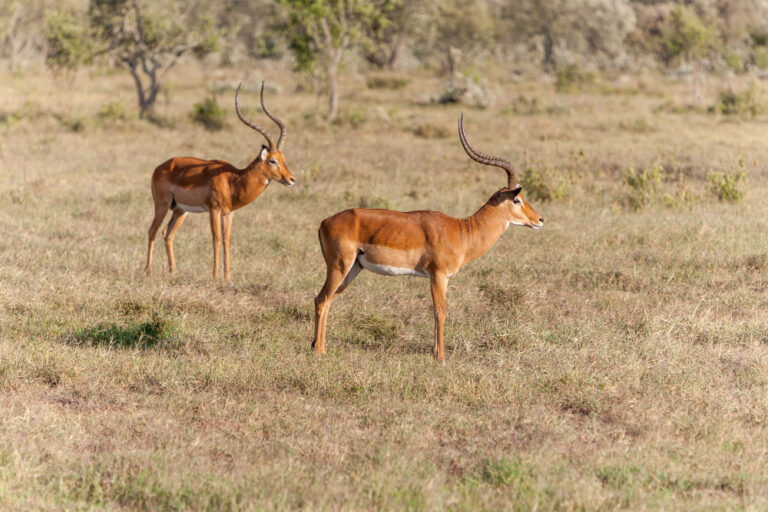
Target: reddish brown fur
{"type": "Point", "coordinates": [426, 243]}
{"type": "Point", "coordinates": [215, 186]}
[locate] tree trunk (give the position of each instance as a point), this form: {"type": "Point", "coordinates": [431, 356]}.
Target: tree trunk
{"type": "Point", "coordinates": [394, 54]}
{"type": "Point", "coordinates": [333, 87]}
{"type": "Point", "coordinates": [548, 62]}
{"type": "Point", "coordinates": [449, 62]}
{"type": "Point", "coordinates": [333, 94]}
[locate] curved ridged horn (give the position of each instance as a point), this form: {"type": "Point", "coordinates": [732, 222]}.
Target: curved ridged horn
{"type": "Point", "coordinates": [248, 123]}
{"type": "Point", "coordinates": [278, 122]}
{"type": "Point", "coordinates": [486, 159]}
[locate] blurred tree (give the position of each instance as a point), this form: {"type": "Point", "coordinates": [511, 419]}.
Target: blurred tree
{"type": "Point", "coordinates": [452, 29]}
{"type": "Point", "coordinates": [387, 37]}
{"type": "Point", "coordinates": [145, 40]}
{"type": "Point", "coordinates": [584, 27]}
{"type": "Point", "coordinates": [320, 32]}
{"type": "Point", "coordinates": [21, 38]}
{"type": "Point", "coordinates": [686, 37]}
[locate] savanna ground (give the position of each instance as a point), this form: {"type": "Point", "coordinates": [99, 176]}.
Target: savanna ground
{"type": "Point", "coordinates": [618, 358]}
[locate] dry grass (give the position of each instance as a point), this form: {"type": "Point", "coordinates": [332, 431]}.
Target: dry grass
{"type": "Point", "coordinates": [615, 359]}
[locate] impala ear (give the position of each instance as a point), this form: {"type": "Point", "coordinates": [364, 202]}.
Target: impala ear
{"type": "Point", "coordinates": [513, 193]}
{"type": "Point", "coordinates": [263, 154]}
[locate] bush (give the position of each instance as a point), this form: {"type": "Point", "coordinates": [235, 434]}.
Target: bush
{"type": "Point", "coordinates": [571, 78]}
{"type": "Point", "coordinates": [760, 57]}
{"type": "Point", "coordinates": [114, 111]}
{"type": "Point", "coordinates": [540, 188]}
{"type": "Point", "coordinates": [209, 114]}
{"type": "Point", "coordinates": [386, 82]}
{"type": "Point", "coordinates": [725, 186]}
{"type": "Point", "coordinates": [431, 131]}
{"type": "Point", "coordinates": [643, 185]}
{"type": "Point", "coordinates": [463, 89]}
{"type": "Point", "coordinates": [749, 102]}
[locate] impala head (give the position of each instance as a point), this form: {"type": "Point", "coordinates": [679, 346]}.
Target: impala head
{"type": "Point", "coordinates": [271, 155]}
{"type": "Point", "coordinates": [518, 211]}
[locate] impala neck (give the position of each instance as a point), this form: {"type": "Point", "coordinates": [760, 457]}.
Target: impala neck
{"type": "Point", "coordinates": [252, 182]}
{"type": "Point", "coordinates": [482, 230]}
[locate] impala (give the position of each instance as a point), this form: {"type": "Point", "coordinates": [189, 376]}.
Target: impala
{"type": "Point", "coordinates": [421, 243]}
{"type": "Point", "coordinates": [184, 184]}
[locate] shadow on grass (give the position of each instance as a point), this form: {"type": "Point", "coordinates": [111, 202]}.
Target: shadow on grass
{"type": "Point", "coordinates": [143, 335]}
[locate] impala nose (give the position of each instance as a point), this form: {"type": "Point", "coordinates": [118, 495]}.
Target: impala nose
{"type": "Point", "coordinates": [291, 181]}
{"type": "Point", "coordinates": [541, 220]}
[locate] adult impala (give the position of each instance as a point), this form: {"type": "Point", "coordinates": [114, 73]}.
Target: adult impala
{"type": "Point", "coordinates": [184, 184]}
{"type": "Point", "coordinates": [421, 243]}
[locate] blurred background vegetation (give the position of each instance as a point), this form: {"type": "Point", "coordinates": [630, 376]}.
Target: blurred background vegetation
{"type": "Point", "coordinates": [569, 40]}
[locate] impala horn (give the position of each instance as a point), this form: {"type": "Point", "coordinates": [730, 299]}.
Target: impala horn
{"type": "Point", "coordinates": [248, 123]}
{"type": "Point", "coordinates": [486, 159]}
{"type": "Point", "coordinates": [278, 122]}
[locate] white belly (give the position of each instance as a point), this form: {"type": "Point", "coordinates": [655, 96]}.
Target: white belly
{"type": "Point", "coordinates": [188, 208]}
{"type": "Point", "coordinates": [387, 270]}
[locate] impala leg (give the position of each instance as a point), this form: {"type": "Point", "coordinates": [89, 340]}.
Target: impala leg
{"type": "Point", "coordinates": [226, 227]}
{"type": "Point", "coordinates": [160, 213]}
{"type": "Point", "coordinates": [335, 282]}
{"type": "Point", "coordinates": [169, 232]}
{"type": "Point", "coordinates": [439, 284]}
{"type": "Point", "coordinates": [216, 232]}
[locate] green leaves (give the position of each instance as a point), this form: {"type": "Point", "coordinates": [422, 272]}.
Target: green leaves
{"type": "Point", "coordinates": [68, 43]}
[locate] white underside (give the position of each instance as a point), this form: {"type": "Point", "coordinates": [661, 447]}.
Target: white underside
{"type": "Point", "coordinates": [387, 270]}
{"type": "Point", "coordinates": [188, 208]}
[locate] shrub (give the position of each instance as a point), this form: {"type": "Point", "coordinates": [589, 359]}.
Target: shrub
{"type": "Point", "coordinates": [386, 82]}
{"type": "Point", "coordinates": [638, 125]}
{"type": "Point", "coordinates": [749, 102]}
{"type": "Point", "coordinates": [114, 111]}
{"type": "Point", "coordinates": [725, 186]}
{"type": "Point", "coordinates": [760, 57]}
{"type": "Point", "coordinates": [541, 188]}
{"type": "Point", "coordinates": [431, 131]}
{"type": "Point", "coordinates": [643, 185]}
{"type": "Point", "coordinates": [571, 78]}
{"type": "Point", "coordinates": [209, 114]}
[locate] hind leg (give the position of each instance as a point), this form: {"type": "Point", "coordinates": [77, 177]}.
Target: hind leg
{"type": "Point", "coordinates": [338, 277]}
{"type": "Point", "coordinates": [169, 232]}
{"type": "Point", "coordinates": [160, 212]}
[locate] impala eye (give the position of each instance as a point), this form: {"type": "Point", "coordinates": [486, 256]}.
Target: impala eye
{"type": "Point", "coordinates": [273, 161]}
{"type": "Point", "coordinates": [517, 201]}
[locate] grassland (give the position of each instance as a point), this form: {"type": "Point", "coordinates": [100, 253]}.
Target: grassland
{"type": "Point", "coordinates": [616, 359]}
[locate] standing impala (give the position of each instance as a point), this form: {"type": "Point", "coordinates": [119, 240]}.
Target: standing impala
{"type": "Point", "coordinates": [185, 184]}
{"type": "Point", "coordinates": [421, 243]}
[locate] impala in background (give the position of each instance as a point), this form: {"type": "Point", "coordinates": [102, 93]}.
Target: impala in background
{"type": "Point", "coordinates": [184, 184]}
{"type": "Point", "coordinates": [421, 243]}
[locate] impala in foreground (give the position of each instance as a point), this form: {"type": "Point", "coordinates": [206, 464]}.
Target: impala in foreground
{"type": "Point", "coordinates": [185, 184]}
{"type": "Point", "coordinates": [421, 243]}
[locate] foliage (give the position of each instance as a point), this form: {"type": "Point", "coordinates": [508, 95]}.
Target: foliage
{"type": "Point", "coordinates": [145, 41]}
{"type": "Point", "coordinates": [748, 102]}
{"type": "Point", "coordinates": [386, 82]}
{"type": "Point", "coordinates": [114, 110]}
{"type": "Point", "coordinates": [320, 32]}
{"type": "Point", "coordinates": [594, 29]}
{"type": "Point", "coordinates": [69, 44]}
{"type": "Point", "coordinates": [725, 186]}
{"type": "Point", "coordinates": [454, 30]}
{"type": "Point", "coordinates": [643, 185]}
{"type": "Point", "coordinates": [687, 37]}
{"type": "Point", "coordinates": [540, 188]}
{"type": "Point", "coordinates": [209, 114]}
{"type": "Point", "coordinates": [571, 78]}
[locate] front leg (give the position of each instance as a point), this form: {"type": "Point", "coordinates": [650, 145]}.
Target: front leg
{"type": "Point", "coordinates": [226, 228]}
{"type": "Point", "coordinates": [439, 284]}
{"type": "Point", "coordinates": [216, 232]}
